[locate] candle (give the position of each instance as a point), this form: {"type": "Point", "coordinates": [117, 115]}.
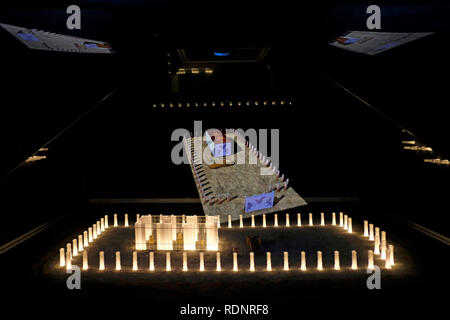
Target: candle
{"type": "Point", "coordinates": [235, 262]}
{"type": "Point", "coordinates": [252, 261]}
{"type": "Point", "coordinates": [85, 260]}
{"type": "Point", "coordinates": [319, 260]}
{"type": "Point", "coordinates": [370, 264]}
{"type": "Point", "coordinates": [303, 261]}
{"type": "Point", "coordinates": [152, 261]}
{"type": "Point", "coordinates": [354, 260]}
{"type": "Point", "coordinates": [286, 261]}
{"type": "Point", "coordinates": [101, 264]}
{"type": "Point", "coordinates": [62, 257]}
{"type": "Point", "coordinates": [269, 261]}
{"type": "Point", "coordinates": [202, 262]}
{"type": "Point", "coordinates": [366, 228]}
{"type": "Point", "coordinates": [135, 262]}
{"type": "Point", "coordinates": [80, 243]}
{"type": "Point", "coordinates": [218, 264]}
{"type": "Point", "coordinates": [74, 247]}
{"type": "Point", "coordinates": [337, 265]}
{"type": "Point", "coordinates": [118, 266]}
{"type": "Point", "coordinates": [168, 267]}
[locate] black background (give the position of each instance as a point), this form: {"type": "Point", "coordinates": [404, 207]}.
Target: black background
{"type": "Point", "coordinates": [331, 144]}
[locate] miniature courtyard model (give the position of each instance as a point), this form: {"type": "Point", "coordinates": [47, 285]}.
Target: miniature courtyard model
{"type": "Point", "coordinates": [241, 183]}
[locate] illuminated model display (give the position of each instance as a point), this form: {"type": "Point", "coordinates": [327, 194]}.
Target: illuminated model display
{"type": "Point", "coordinates": [162, 232]}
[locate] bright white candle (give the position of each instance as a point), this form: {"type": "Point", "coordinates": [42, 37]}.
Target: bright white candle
{"type": "Point", "coordinates": [287, 220]}
{"type": "Point", "coordinates": [371, 237]}
{"type": "Point", "coordinates": [85, 260]}
{"type": "Point", "coordinates": [286, 261]}
{"type": "Point", "coordinates": [137, 217]}
{"type": "Point", "coordinates": [90, 234]}
{"type": "Point", "coordinates": [106, 221]}
{"type": "Point", "coordinates": [337, 265]}
{"type": "Point", "coordinates": [252, 261]}
{"type": "Point", "coordinates": [85, 239]}
{"type": "Point", "coordinates": [202, 261]}
{"type": "Point", "coordinates": [333, 218]}
{"type": "Point", "coordinates": [80, 243]}
{"type": "Point", "coordinates": [311, 219]}
{"type": "Point", "coordinates": [69, 250]}
{"type": "Point", "coordinates": [218, 264]}
{"type": "Point", "coordinates": [377, 235]}
{"type": "Point", "coordinates": [269, 261]}
{"type": "Point", "coordinates": [319, 260]}
{"type": "Point", "coordinates": [303, 261]}
{"type": "Point", "coordinates": [241, 221]}
{"type": "Point", "coordinates": [74, 247]}
{"type": "Point", "coordinates": [118, 265]}
{"type": "Point", "coordinates": [115, 220]}
{"type": "Point", "coordinates": [264, 221]}
{"type": "Point", "coordinates": [99, 228]}
{"type": "Point", "coordinates": [62, 257]}
{"type": "Point", "coordinates": [387, 264]}
{"type": "Point", "coordinates": [235, 262]}
{"type": "Point", "coordinates": [102, 224]}
{"type": "Point", "coordinates": [354, 260]}
{"type": "Point", "coordinates": [253, 220]}
{"type": "Point", "coordinates": [350, 227]}
{"type": "Point", "coordinates": [341, 219]}
{"type": "Point", "coordinates": [276, 220]}
{"type": "Point", "coordinates": [168, 267]}
{"type": "Point", "coordinates": [229, 221]}
{"type": "Point", "coordinates": [126, 220]}
{"type": "Point", "coordinates": [370, 264]}
{"type": "Point", "coordinates": [377, 241]}
{"type": "Point", "coordinates": [376, 247]}
{"type": "Point", "coordinates": [322, 219]}
{"type": "Point", "coordinates": [299, 220]}
{"type": "Point", "coordinates": [366, 228]}
{"type": "Point", "coordinates": [391, 254]}
{"type": "Point", "coordinates": [383, 245]}
{"type": "Point", "coordinates": [68, 261]}
{"type": "Point", "coordinates": [218, 221]}
{"type": "Point", "coordinates": [135, 262]}
{"type": "Point", "coordinates": [101, 261]}
{"type": "Point", "coordinates": [345, 222]}
{"type": "Point", "coordinates": [94, 231]}
{"type": "Point", "coordinates": [185, 265]}
{"type": "Point", "coordinates": [152, 261]}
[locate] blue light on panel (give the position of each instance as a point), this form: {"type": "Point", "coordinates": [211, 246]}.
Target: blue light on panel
{"type": "Point", "coordinates": [221, 54]}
